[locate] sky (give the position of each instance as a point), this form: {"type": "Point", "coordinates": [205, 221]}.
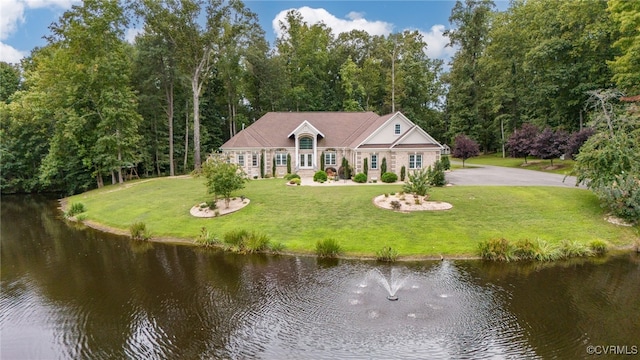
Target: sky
{"type": "Point", "coordinates": [24, 23]}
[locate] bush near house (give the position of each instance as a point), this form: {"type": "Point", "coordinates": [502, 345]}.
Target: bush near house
{"type": "Point", "coordinates": [389, 177]}
{"type": "Point", "coordinates": [320, 176]}
{"type": "Point", "coordinates": [360, 178]}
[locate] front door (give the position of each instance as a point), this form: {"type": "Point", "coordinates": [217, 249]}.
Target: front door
{"type": "Point", "coordinates": [306, 161]}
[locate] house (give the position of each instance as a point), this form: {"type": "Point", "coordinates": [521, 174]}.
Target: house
{"type": "Point", "coordinates": [313, 139]}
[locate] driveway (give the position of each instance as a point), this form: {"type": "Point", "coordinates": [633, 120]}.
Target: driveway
{"type": "Point", "coordinates": [496, 175]}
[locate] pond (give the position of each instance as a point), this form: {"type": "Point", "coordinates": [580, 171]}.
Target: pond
{"type": "Point", "coordinates": [76, 293]}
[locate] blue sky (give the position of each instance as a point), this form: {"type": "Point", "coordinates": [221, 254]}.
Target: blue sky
{"type": "Point", "coordinates": [23, 23]}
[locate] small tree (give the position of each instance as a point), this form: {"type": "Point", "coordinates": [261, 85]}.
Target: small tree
{"type": "Point", "coordinates": [365, 166]}
{"type": "Point", "coordinates": [322, 161]}
{"type": "Point", "coordinates": [262, 173]}
{"type": "Point", "coordinates": [403, 172]}
{"type": "Point", "coordinates": [288, 163]}
{"type": "Point", "coordinates": [383, 165]}
{"type": "Point", "coordinates": [273, 167]}
{"type": "Point", "coordinates": [222, 178]}
{"type": "Point", "coordinates": [446, 164]}
{"type": "Point", "coordinates": [345, 170]}
{"type": "Point", "coordinates": [550, 145]}
{"type": "Point", "coordinates": [577, 139]}
{"type": "Point", "coordinates": [417, 183]}
{"type": "Point", "coordinates": [465, 148]}
{"type": "Point", "coordinates": [520, 143]}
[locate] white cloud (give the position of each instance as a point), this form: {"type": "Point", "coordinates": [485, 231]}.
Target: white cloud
{"type": "Point", "coordinates": [12, 14]}
{"type": "Point", "coordinates": [354, 20]}
{"type": "Point", "coordinates": [10, 55]}
{"type": "Point", "coordinates": [436, 43]}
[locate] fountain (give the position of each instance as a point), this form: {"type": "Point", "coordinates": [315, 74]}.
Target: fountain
{"type": "Point", "coordinates": [392, 285]}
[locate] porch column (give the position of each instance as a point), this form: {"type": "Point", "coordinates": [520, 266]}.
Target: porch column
{"type": "Point", "coordinates": [296, 157]}
{"type": "Point", "coordinates": [315, 152]}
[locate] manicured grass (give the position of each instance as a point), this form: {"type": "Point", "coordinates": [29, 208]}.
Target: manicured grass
{"type": "Point", "coordinates": [299, 216]}
{"type": "Point", "coordinates": [562, 167]}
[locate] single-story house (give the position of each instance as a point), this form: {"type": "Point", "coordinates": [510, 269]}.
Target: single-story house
{"type": "Point", "coordinates": [307, 138]}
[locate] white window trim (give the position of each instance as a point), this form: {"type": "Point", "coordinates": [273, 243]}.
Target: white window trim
{"type": "Point", "coordinates": [281, 159]}
{"type": "Point", "coordinates": [374, 163]}
{"type": "Point", "coordinates": [254, 160]}
{"type": "Point", "coordinates": [327, 156]}
{"type": "Point", "coordinates": [397, 129]}
{"type": "Point", "coordinates": [415, 161]}
{"type": "Point", "coordinates": [241, 159]}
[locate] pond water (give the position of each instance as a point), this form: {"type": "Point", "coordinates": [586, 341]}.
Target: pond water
{"type": "Point", "coordinates": [70, 293]}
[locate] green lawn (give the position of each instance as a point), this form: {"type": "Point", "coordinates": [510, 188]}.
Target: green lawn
{"type": "Point", "coordinates": [562, 167]}
{"type": "Point", "coordinates": [299, 216]}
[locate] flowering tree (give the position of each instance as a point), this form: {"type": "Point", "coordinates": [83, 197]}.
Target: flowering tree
{"type": "Point", "coordinates": [465, 148]}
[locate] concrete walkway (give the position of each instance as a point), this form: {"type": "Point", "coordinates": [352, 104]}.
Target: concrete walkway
{"type": "Point", "coordinates": [503, 176]}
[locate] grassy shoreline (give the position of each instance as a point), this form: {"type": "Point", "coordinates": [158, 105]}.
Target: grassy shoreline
{"type": "Point", "coordinates": [299, 216]}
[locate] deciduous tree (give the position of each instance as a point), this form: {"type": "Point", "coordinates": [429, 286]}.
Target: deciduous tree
{"type": "Point", "coordinates": [465, 148]}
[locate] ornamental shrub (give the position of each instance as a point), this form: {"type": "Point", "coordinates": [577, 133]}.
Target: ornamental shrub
{"type": "Point", "coordinates": [383, 165]}
{"type": "Point", "coordinates": [497, 249]}
{"type": "Point", "coordinates": [365, 166]}
{"type": "Point", "coordinates": [360, 178]}
{"type": "Point", "coordinates": [328, 248]}
{"type": "Point", "coordinates": [417, 183]}
{"type": "Point", "coordinates": [446, 164]}
{"type": "Point", "coordinates": [622, 197]}
{"type": "Point", "coordinates": [139, 231]}
{"type": "Point", "coordinates": [387, 254]}
{"type": "Point", "coordinates": [436, 175]}
{"type": "Point", "coordinates": [288, 163]}
{"type": "Point", "coordinates": [295, 181]}
{"type": "Point", "coordinates": [389, 177]}
{"type": "Point", "coordinates": [291, 176]}
{"type": "Point", "coordinates": [403, 173]}
{"type": "Point", "coordinates": [320, 176]}
{"type": "Point", "coordinates": [76, 208]}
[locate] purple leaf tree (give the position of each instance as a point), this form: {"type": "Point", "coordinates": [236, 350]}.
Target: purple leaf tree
{"type": "Point", "coordinates": [465, 148]}
{"type": "Point", "coordinates": [520, 143]}
{"type": "Point", "coordinates": [577, 139]}
{"type": "Point", "coordinates": [550, 145]}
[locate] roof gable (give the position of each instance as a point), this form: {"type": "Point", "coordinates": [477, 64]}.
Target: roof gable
{"type": "Point", "coordinates": [416, 137]}
{"type": "Point", "coordinates": [385, 133]}
{"type": "Point", "coordinates": [306, 128]}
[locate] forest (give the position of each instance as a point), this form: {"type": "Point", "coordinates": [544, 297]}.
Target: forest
{"type": "Point", "coordinates": [90, 107]}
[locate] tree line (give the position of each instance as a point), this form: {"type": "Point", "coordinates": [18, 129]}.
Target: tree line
{"type": "Point", "coordinates": [89, 106]}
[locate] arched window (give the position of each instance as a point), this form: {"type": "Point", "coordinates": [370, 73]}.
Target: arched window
{"type": "Point", "coordinates": [305, 143]}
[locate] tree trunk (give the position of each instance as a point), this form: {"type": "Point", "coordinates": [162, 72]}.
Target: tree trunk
{"type": "Point", "coordinates": [196, 122]}
{"type": "Point", "coordinates": [120, 179]}
{"type": "Point", "coordinates": [186, 138]}
{"type": "Point", "coordinates": [169, 94]}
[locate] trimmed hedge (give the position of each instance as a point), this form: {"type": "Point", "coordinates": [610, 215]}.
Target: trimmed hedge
{"type": "Point", "coordinates": [389, 177]}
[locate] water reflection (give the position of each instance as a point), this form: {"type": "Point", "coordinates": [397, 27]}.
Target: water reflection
{"type": "Point", "coordinates": [81, 294]}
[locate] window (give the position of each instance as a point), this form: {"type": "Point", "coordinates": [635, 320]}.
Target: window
{"type": "Point", "coordinates": [281, 159]}
{"type": "Point", "coordinates": [306, 143]}
{"type": "Point", "coordinates": [415, 161]}
{"type": "Point", "coordinates": [397, 131]}
{"type": "Point", "coordinates": [241, 160]}
{"type": "Point", "coordinates": [330, 158]}
{"type": "Point", "coordinates": [254, 160]}
{"type": "Point", "coordinates": [374, 161]}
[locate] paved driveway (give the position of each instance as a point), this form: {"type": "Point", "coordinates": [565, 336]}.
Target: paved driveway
{"type": "Point", "coordinates": [496, 175]}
